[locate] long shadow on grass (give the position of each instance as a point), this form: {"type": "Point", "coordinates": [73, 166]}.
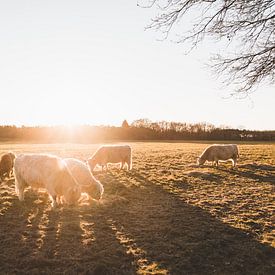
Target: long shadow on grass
{"type": "Point", "coordinates": [73, 240]}
{"type": "Point", "coordinates": [182, 238]}
{"type": "Point", "coordinates": [149, 231]}
{"type": "Point", "coordinates": [205, 176]}
{"type": "Point", "coordinates": [19, 233]}
{"type": "Point", "coordinates": [251, 173]}
{"type": "Point", "coordinates": [260, 167]}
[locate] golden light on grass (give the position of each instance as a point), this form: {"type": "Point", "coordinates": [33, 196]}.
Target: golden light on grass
{"type": "Point", "coordinates": [144, 266]}
{"type": "Point", "coordinates": [167, 193]}
{"type": "Point", "coordinates": [88, 233]}
{"type": "Point", "coordinates": [57, 236]}
{"type": "Point", "coordinates": [31, 216]}
{"type": "Point", "coordinates": [7, 194]}
{"type": "Point", "coordinates": [42, 228]}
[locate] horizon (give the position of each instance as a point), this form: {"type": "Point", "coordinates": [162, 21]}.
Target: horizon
{"type": "Point", "coordinates": [73, 127]}
{"type": "Point", "coordinates": [73, 68]}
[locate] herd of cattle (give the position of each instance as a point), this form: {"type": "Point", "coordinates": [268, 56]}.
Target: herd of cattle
{"type": "Point", "coordinates": [65, 179]}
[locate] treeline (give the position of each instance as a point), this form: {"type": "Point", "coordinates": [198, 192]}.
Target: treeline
{"type": "Point", "coordinates": [142, 129]}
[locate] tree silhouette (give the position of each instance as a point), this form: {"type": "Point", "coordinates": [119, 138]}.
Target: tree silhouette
{"type": "Point", "coordinates": [125, 124]}
{"type": "Point", "coordinates": [141, 129]}
{"type": "Point", "coordinates": [246, 27]}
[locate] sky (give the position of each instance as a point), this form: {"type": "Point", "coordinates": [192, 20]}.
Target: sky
{"type": "Point", "coordinates": [92, 62]}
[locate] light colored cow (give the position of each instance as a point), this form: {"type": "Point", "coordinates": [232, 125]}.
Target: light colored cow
{"type": "Point", "coordinates": [111, 154]}
{"type": "Point", "coordinates": [48, 172]}
{"type": "Point", "coordinates": [216, 152]}
{"type": "Point", "coordinates": [87, 182]}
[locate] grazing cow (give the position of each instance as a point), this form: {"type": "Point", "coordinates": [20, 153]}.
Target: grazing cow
{"type": "Point", "coordinates": [6, 165]}
{"type": "Point", "coordinates": [111, 154]}
{"type": "Point", "coordinates": [218, 152]}
{"type": "Point", "coordinates": [87, 182]}
{"type": "Point", "coordinates": [48, 172]}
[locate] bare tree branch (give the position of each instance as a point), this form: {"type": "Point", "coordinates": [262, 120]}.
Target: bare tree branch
{"type": "Point", "coordinates": [247, 26]}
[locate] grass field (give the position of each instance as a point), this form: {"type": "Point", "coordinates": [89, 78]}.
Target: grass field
{"type": "Point", "coordinates": [166, 216]}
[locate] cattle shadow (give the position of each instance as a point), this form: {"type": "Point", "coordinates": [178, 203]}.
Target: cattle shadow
{"type": "Point", "coordinates": [171, 184]}
{"type": "Point", "coordinates": [74, 240]}
{"type": "Point", "coordinates": [250, 171]}
{"type": "Point", "coordinates": [82, 242]}
{"type": "Point", "coordinates": [151, 231]}
{"type": "Point", "coordinates": [185, 239]}
{"type": "Point", "coordinates": [209, 176]}
{"type": "Point", "coordinates": [254, 166]}
{"type": "Point", "coordinates": [253, 171]}
{"type": "Point", "coordinates": [18, 232]}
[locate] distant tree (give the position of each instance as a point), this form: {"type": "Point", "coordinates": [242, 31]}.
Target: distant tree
{"type": "Point", "coordinates": [143, 122]}
{"type": "Point", "coordinates": [247, 27]}
{"type": "Point", "coordinates": [125, 124]}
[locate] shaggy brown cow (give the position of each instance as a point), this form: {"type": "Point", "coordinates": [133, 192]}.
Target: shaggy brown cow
{"type": "Point", "coordinates": [6, 165]}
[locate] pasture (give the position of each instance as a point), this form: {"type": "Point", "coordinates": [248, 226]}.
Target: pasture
{"type": "Point", "coordinates": [165, 216]}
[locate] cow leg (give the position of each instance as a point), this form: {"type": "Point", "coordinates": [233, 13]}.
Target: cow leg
{"type": "Point", "coordinates": [54, 201]}
{"type": "Point", "coordinates": [58, 200]}
{"type": "Point", "coordinates": [21, 194]}
{"type": "Point", "coordinates": [19, 188]}
{"type": "Point", "coordinates": [128, 165]}
{"type": "Point", "coordinates": [234, 161]}
{"type": "Point", "coordinates": [216, 162]}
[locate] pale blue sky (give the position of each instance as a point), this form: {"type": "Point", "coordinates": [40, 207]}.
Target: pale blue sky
{"type": "Point", "coordinates": [89, 62]}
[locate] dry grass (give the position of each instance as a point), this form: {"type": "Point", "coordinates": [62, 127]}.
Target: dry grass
{"type": "Point", "coordinates": [166, 216]}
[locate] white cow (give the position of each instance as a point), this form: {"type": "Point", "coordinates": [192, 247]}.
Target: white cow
{"type": "Point", "coordinates": [48, 172]}
{"type": "Point", "coordinates": [217, 152]}
{"type": "Point", "coordinates": [87, 182]}
{"type": "Point", "coordinates": [111, 154]}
